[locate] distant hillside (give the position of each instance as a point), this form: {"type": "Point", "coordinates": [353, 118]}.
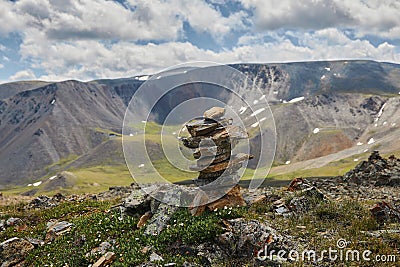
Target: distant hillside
{"type": "Point", "coordinates": [48, 128]}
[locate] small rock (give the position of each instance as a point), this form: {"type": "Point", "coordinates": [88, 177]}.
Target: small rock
{"type": "Point", "coordinates": [383, 212]}
{"type": "Point", "coordinates": [2, 225]}
{"type": "Point", "coordinates": [145, 250]}
{"type": "Point", "coordinates": [35, 242]}
{"type": "Point", "coordinates": [101, 249]}
{"type": "Point", "coordinates": [394, 181]}
{"type": "Point", "coordinates": [41, 202]}
{"type": "Point", "coordinates": [214, 113]}
{"type": "Point", "coordinates": [313, 192]}
{"type": "Point", "coordinates": [138, 202]}
{"type": "Point", "coordinates": [13, 221]}
{"type": "Point", "coordinates": [56, 229]}
{"type": "Point", "coordinates": [247, 237]}
{"type": "Point", "coordinates": [58, 197]}
{"type": "Point", "coordinates": [298, 184]}
{"type": "Point", "coordinates": [143, 219]}
{"type": "Point", "coordinates": [105, 260]}
{"type": "Point", "coordinates": [299, 204]}
{"type": "Point", "coordinates": [155, 257]}
{"type": "Point", "coordinates": [253, 198]}
{"type": "Point", "coordinates": [227, 164]}
{"type": "Point", "coordinates": [80, 240]}
{"type": "Point", "coordinates": [282, 210]}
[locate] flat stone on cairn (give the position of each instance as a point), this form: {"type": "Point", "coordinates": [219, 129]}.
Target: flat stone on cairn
{"type": "Point", "coordinates": [213, 137]}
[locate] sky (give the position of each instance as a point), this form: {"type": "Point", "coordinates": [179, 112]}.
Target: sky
{"type": "Point", "coordinates": [56, 40]}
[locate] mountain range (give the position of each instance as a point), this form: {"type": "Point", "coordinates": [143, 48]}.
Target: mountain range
{"type": "Point", "coordinates": [328, 116]}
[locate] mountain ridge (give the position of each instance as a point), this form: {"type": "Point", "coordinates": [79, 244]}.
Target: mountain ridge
{"type": "Point", "coordinates": [41, 126]}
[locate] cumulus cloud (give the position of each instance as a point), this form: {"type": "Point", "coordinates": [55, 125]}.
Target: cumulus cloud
{"type": "Point", "coordinates": [23, 75]}
{"type": "Point", "coordinates": [99, 19]}
{"type": "Point", "coordinates": [9, 19]}
{"type": "Point", "coordinates": [88, 59]}
{"type": "Point", "coordinates": [76, 39]}
{"type": "Point", "coordinates": [134, 20]}
{"type": "Point", "coordinates": [309, 14]}
{"type": "Point", "coordinates": [1, 66]}
{"type": "Point", "coordinates": [205, 18]}
{"type": "Point", "coordinates": [381, 18]}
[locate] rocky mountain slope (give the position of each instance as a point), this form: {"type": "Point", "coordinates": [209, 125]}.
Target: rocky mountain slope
{"type": "Point", "coordinates": [324, 112]}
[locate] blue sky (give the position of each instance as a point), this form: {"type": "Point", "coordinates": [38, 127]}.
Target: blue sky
{"type": "Point", "coordinates": [88, 39]}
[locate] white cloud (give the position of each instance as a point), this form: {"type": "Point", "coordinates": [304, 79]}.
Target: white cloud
{"type": "Point", "coordinates": [1, 66]}
{"type": "Point", "coordinates": [92, 19]}
{"type": "Point", "coordinates": [76, 39]}
{"type": "Point", "coordinates": [9, 20]}
{"type": "Point", "coordinates": [23, 75]}
{"type": "Point", "coordinates": [204, 17]}
{"type": "Point", "coordinates": [89, 59]}
{"type": "Point", "coordinates": [135, 20]}
{"type": "Point", "coordinates": [310, 14]}
{"type": "Point", "coordinates": [380, 18]}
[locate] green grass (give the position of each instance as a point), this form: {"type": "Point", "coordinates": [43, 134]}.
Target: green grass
{"type": "Point", "coordinates": [336, 168]}
{"type": "Point", "coordinates": [94, 222]}
{"type": "Point", "coordinates": [60, 164]}
{"type": "Point", "coordinates": [100, 178]}
{"type": "Point", "coordinates": [108, 132]}
{"type": "Point", "coordinates": [107, 172]}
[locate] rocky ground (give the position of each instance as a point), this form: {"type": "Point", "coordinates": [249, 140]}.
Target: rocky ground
{"type": "Point", "coordinates": [125, 227]}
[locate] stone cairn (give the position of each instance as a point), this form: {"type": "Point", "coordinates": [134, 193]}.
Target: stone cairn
{"type": "Point", "coordinates": [213, 137]}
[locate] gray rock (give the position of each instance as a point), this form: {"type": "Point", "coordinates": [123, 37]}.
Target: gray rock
{"type": "Point", "coordinates": [137, 202]}
{"type": "Point", "coordinates": [394, 181]}
{"type": "Point", "coordinates": [377, 171]}
{"type": "Point", "coordinates": [246, 237]}
{"type": "Point", "coordinates": [41, 202]}
{"type": "Point", "coordinates": [313, 192]}
{"type": "Point", "coordinates": [101, 249]}
{"type": "Point", "coordinates": [35, 242]}
{"type": "Point", "coordinates": [155, 257]}
{"type": "Point", "coordinates": [163, 213]}
{"type": "Point", "coordinates": [13, 221]}
{"type": "Point", "coordinates": [299, 204]}
{"type": "Point", "coordinates": [383, 212]}
{"type": "Point", "coordinates": [2, 225]}
{"type": "Point", "coordinates": [55, 229]}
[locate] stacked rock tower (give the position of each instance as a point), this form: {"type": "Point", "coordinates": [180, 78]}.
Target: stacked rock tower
{"type": "Point", "coordinates": [213, 138]}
